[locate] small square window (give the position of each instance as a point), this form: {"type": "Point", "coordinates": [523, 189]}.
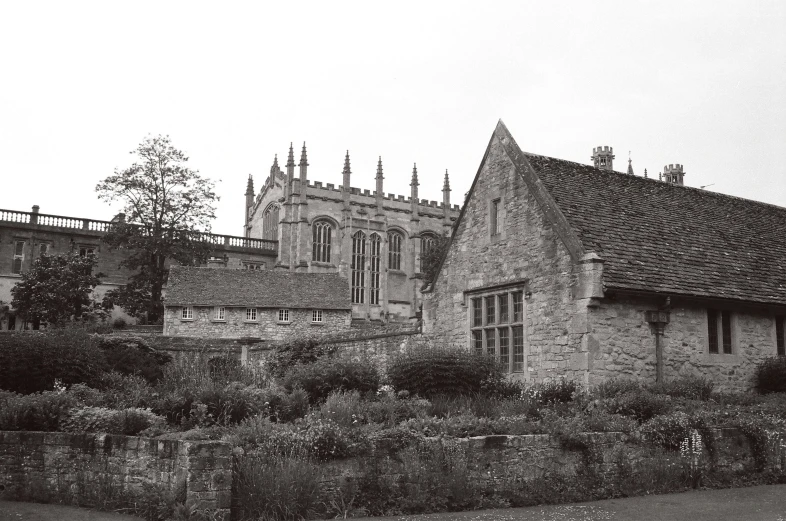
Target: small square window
{"type": "Point", "coordinates": [220, 313]}
{"type": "Point", "coordinates": [43, 249]}
{"type": "Point", "coordinates": [84, 251]}
{"type": "Point", "coordinates": [187, 313]}
{"type": "Point", "coordinates": [316, 315]}
{"type": "Point", "coordinates": [283, 315]}
{"type": "Point", "coordinates": [251, 314]}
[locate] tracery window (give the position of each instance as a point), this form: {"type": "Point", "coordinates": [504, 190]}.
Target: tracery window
{"type": "Point", "coordinates": [323, 233]}
{"type": "Point", "coordinates": [270, 223]}
{"type": "Point", "coordinates": [395, 241]}
{"type": "Point", "coordinates": [427, 243]}
{"type": "Point", "coordinates": [376, 261]}
{"type": "Point", "coordinates": [358, 267]}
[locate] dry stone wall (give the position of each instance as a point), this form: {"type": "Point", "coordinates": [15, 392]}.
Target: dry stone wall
{"type": "Point", "coordinates": [68, 467]}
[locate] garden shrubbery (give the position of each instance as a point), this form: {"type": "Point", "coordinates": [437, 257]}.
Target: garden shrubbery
{"type": "Point", "coordinates": [328, 374]}
{"type": "Point", "coordinates": [771, 375]}
{"type": "Point", "coordinates": [430, 371]}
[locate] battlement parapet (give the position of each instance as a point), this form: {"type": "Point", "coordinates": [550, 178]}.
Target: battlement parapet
{"type": "Point", "coordinates": [672, 168]}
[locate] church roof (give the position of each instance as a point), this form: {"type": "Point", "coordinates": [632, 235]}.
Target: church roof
{"type": "Point", "coordinates": [188, 286]}
{"type": "Point", "coordinates": [656, 236]}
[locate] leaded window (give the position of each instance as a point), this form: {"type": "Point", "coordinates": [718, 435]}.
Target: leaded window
{"type": "Point", "coordinates": [427, 243]}
{"type": "Point", "coordinates": [376, 261]}
{"type": "Point", "coordinates": [358, 267]}
{"type": "Point", "coordinates": [719, 331]}
{"type": "Point", "coordinates": [497, 328]}
{"type": "Point", "coordinates": [19, 257]}
{"type": "Point", "coordinates": [323, 233]}
{"type": "Point", "coordinates": [270, 223]}
{"type": "Point", "coordinates": [395, 240]}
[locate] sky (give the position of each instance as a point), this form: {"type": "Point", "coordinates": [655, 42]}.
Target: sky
{"type": "Point", "coordinates": [700, 83]}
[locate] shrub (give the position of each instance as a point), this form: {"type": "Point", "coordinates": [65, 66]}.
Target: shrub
{"type": "Point", "coordinates": [327, 375]}
{"type": "Point", "coordinates": [119, 323]}
{"type": "Point", "coordinates": [641, 405]}
{"type": "Point", "coordinates": [554, 391]}
{"type": "Point", "coordinates": [132, 355]}
{"type": "Point", "coordinates": [668, 430]}
{"type": "Point", "coordinates": [691, 387]}
{"type": "Point", "coordinates": [614, 387]}
{"type": "Point", "coordinates": [33, 412]}
{"type": "Point", "coordinates": [31, 361]}
{"type": "Point", "coordinates": [771, 375]}
{"type": "Point", "coordinates": [431, 371]}
{"type": "Point", "coordinates": [298, 351]}
{"type": "Point", "coordinates": [323, 439]}
{"type": "Point", "coordinates": [120, 391]}
{"type": "Point", "coordinates": [130, 421]}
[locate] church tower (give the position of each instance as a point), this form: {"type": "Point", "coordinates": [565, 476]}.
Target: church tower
{"type": "Point", "coordinates": [249, 205]}
{"type": "Point", "coordinates": [603, 157]}
{"type": "Point", "coordinates": [673, 174]}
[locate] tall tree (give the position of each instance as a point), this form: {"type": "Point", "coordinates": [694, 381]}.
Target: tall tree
{"type": "Point", "coordinates": [430, 260]}
{"type": "Point", "coordinates": [57, 289]}
{"type": "Point", "coordinates": [168, 207]}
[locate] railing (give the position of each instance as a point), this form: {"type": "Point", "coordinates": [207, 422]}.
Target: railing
{"type": "Point", "coordinates": [77, 223]}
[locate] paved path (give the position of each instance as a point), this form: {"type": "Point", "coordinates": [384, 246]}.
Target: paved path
{"type": "Point", "coordinates": [762, 503]}
{"type": "Point", "coordinates": [14, 511]}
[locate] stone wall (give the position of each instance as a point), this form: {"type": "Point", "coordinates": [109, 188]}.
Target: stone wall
{"type": "Point", "coordinates": [622, 343]}
{"type": "Point", "coordinates": [77, 467]}
{"type": "Point", "coordinates": [526, 253]}
{"type": "Point", "coordinates": [266, 327]}
{"type": "Point", "coordinates": [378, 344]}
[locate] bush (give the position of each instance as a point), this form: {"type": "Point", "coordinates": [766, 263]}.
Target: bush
{"type": "Point", "coordinates": [668, 430]}
{"type": "Point", "coordinates": [129, 421]}
{"type": "Point", "coordinates": [640, 405]}
{"type": "Point", "coordinates": [690, 387]}
{"type": "Point", "coordinates": [132, 355]}
{"type": "Point", "coordinates": [33, 412]}
{"type": "Point", "coordinates": [327, 375]}
{"type": "Point", "coordinates": [431, 371]}
{"type": "Point", "coordinates": [554, 391]}
{"type": "Point", "coordinates": [614, 387]}
{"type": "Point", "coordinates": [120, 391]}
{"type": "Point", "coordinates": [32, 361]}
{"type": "Point", "coordinates": [771, 375]}
{"type": "Point", "coordinates": [299, 351]}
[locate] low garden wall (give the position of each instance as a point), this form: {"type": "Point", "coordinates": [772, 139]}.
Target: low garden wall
{"type": "Point", "coordinates": [91, 469]}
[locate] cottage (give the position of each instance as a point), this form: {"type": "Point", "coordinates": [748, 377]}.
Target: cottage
{"type": "Point", "coordinates": [271, 305]}
{"type": "Point", "coordinates": [563, 269]}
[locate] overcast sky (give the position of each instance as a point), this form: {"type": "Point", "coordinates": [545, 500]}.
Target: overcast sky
{"type": "Point", "coordinates": [232, 83]}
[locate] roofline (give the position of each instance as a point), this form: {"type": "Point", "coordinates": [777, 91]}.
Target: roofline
{"type": "Point", "coordinates": [258, 306]}
{"type": "Point", "coordinates": [536, 187]}
{"type": "Point", "coordinates": [695, 298]}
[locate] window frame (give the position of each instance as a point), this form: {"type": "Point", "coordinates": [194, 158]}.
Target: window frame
{"type": "Point", "coordinates": [493, 334]}
{"type": "Point", "coordinates": [284, 316]}
{"type": "Point", "coordinates": [321, 241]}
{"type": "Point", "coordinates": [375, 269]}
{"type": "Point", "coordinates": [317, 316]}
{"type": "Point", "coordinates": [494, 216]}
{"type": "Point", "coordinates": [358, 267]}
{"type": "Point", "coordinates": [780, 335]}
{"type": "Point", "coordinates": [721, 333]}
{"type": "Point", "coordinates": [187, 313]}
{"type": "Point", "coordinates": [18, 259]}
{"type": "Point", "coordinates": [219, 314]}
{"type": "Point", "coordinates": [395, 250]}
{"type": "Point", "coordinates": [252, 315]}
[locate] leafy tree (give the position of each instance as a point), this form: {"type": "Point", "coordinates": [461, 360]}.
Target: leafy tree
{"type": "Point", "coordinates": [168, 207]}
{"type": "Point", "coordinates": [429, 260]}
{"type": "Point", "coordinates": [57, 289]}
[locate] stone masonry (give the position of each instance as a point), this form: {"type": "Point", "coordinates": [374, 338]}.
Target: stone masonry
{"type": "Point", "coordinates": [74, 468]}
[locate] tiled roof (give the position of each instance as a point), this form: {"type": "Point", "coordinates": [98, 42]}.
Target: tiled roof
{"type": "Point", "coordinates": [660, 237]}
{"type": "Point", "coordinates": [189, 286]}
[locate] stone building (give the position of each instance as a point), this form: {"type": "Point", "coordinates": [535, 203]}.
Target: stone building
{"type": "Point", "coordinates": [563, 269]}
{"type": "Point", "coordinates": [374, 240]}
{"type": "Point", "coordinates": [24, 236]}
{"type": "Point", "coordinates": [269, 305]}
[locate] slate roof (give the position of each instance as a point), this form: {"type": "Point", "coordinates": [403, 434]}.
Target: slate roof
{"type": "Point", "coordinates": [188, 286]}
{"type": "Point", "coordinates": [661, 237]}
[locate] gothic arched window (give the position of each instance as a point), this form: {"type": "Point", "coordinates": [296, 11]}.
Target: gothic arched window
{"type": "Point", "coordinates": [270, 223]}
{"type": "Point", "coordinates": [376, 262]}
{"type": "Point", "coordinates": [358, 267]}
{"type": "Point", "coordinates": [323, 233]}
{"type": "Point", "coordinates": [395, 240]}
{"type": "Point", "coordinates": [427, 243]}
